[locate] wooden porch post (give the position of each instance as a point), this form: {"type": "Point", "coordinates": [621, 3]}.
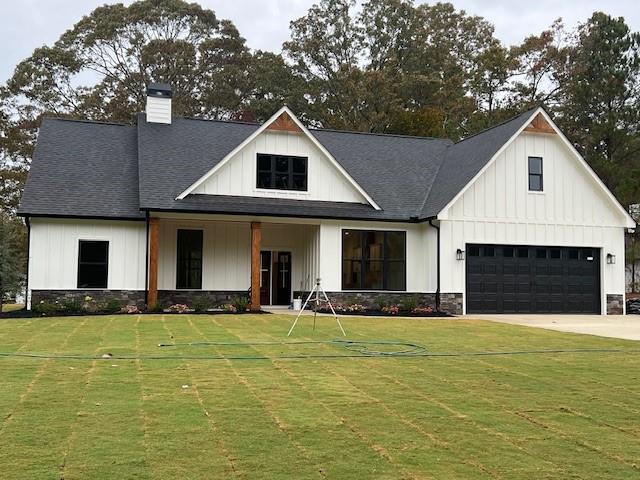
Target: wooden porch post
{"type": "Point", "coordinates": [256, 238]}
{"type": "Point", "coordinates": [152, 293]}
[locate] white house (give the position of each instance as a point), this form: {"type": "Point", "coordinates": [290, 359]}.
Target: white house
{"type": "Point", "coordinates": [509, 220]}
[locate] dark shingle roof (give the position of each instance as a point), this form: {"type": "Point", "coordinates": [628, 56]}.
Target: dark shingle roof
{"type": "Point", "coordinates": [107, 170]}
{"type": "Point", "coordinates": [83, 169]}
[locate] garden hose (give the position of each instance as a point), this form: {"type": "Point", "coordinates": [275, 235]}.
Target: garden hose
{"type": "Point", "coordinates": [355, 349]}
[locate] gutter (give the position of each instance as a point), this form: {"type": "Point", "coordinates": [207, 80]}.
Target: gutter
{"type": "Point", "coordinates": [27, 299]}
{"type": "Point", "coordinates": [437, 264]}
{"type": "Point", "coordinates": [146, 261]}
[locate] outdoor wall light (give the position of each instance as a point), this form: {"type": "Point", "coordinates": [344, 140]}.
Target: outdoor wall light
{"type": "Point", "coordinates": [459, 254]}
{"type": "Point", "coordinates": [611, 258]}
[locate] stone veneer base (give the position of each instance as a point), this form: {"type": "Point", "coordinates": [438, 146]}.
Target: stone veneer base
{"type": "Point", "coordinates": [615, 303]}
{"type": "Point", "coordinates": [449, 302]}
{"type": "Point", "coordinates": [125, 297]}
{"type": "Point", "coordinates": [188, 297]}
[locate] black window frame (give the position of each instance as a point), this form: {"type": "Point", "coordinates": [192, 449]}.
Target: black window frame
{"type": "Point", "coordinates": [539, 176]}
{"type": "Point", "coordinates": [186, 264]}
{"type": "Point", "coordinates": [365, 262]}
{"type": "Point", "coordinates": [274, 174]}
{"type": "Point", "coordinates": [82, 275]}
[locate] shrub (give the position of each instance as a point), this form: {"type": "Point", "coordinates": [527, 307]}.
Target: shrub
{"type": "Point", "coordinates": [44, 307]}
{"type": "Point", "coordinates": [130, 309]}
{"type": "Point", "coordinates": [356, 308]}
{"type": "Point", "coordinates": [382, 302]}
{"type": "Point", "coordinates": [112, 306]}
{"type": "Point", "coordinates": [201, 304]}
{"type": "Point", "coordinates": [391, 309]}
{"type": "Point", "coordinates": [241, 304]}
{"type": "Point", "coordinates": [72, 305]}
{"type": "Point", "coordinates": [227, 307]}
{"type": "Point", "coordinates": [179, 308]}
{"type": "Point", "coordinates": [409, 303]}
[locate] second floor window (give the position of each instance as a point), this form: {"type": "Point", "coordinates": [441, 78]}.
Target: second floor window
{"type": "Point", "coordinates": [535, 174]}
{"type": "Point", "coordinates": [282, 172]}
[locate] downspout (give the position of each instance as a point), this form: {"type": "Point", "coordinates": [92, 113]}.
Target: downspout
{"type": "Point", "coordinates": [437, 264]}
{"type": "Point", "coordinates": [146, 262]}
{"type": "Point", "coordinates": [27, 299]}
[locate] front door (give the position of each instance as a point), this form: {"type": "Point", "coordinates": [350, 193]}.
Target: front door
{"type": "Point", "coordinates": [281, 278]}
{"type": "Point", "coordinates": [265, 278]}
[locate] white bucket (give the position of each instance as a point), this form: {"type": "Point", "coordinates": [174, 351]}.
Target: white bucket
{"type": "Point", "coordinates": [297, 304]}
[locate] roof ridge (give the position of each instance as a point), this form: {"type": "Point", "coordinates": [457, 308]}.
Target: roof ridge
{"type": "Point", "coordinates": [504, 122]}
{"type": "Point", "coordinates": [420, 137]}
{"type": "Point", "coordinates": [84, 120]}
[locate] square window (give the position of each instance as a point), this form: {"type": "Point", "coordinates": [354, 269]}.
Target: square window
{"type": "Point", "coordinates": [541, 253]}
{"type": "Point", "coordinates": [489, 252]}
{"type": "Point", "coordinates": [523, 252]}
{"type": "Point", "coordinates": [281, 172]}
{"type": "Point", "coordinates": [507, 252]}
{"type": "Point", "coordinates": [555, 253]}
{"type": "Point", "coordinates": [474, 251]}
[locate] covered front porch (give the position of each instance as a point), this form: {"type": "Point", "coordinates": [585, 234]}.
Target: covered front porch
{"type": "Point", "coordinates": [216, 258]}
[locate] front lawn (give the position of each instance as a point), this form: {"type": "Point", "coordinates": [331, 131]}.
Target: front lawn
{"type": "Point", "coordinates": [524, 416]}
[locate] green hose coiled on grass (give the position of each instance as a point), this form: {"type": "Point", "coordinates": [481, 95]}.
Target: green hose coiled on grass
{"type": "Point", "coordinates": [355, 348]}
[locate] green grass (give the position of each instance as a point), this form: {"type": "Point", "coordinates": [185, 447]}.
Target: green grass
{"type": "Point", "coordinates": [10, 307]}
{"type": "Point", "coordinates": [528, 416]}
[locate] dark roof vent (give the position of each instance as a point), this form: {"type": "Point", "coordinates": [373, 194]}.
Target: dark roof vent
{"type": "Point", "coordinates": [162, 90]}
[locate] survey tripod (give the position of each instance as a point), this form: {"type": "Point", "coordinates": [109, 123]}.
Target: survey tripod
{"type": "Point", "coordinates": [316, 303]}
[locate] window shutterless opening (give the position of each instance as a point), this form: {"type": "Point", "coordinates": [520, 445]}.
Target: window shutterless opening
{"type": "Point", "coordinates": [535, 174]}
{"type": "Point", "coordinates": [93, 263]}
{"type": "Point", "coordinates": [189, 259]}
{"type": "Point", "coordinates": [281, 172]}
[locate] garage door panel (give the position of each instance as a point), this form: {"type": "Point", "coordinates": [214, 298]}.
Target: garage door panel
{"type": "Point", "coordinates": [532, 279]}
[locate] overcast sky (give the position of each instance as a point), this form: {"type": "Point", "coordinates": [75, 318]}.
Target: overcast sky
{"type": "Point", "coordinates": [28, 24]}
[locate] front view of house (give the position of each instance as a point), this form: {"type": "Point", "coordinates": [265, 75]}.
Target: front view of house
{"type": "Point", "coordinates": [179, 210]}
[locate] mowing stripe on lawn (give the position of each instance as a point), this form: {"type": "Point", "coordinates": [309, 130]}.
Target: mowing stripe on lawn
{"type": "Point", "coordinates": [398, 416]}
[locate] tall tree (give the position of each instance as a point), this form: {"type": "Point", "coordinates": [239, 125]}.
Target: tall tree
{"type": "Point", "coordinates": [11, 257]}
{"type": "Point", "coordinates": [600, 101]}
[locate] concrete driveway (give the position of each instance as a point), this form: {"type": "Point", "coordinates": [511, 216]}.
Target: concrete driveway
{"type": "Point", "coordinates": [616, 326]}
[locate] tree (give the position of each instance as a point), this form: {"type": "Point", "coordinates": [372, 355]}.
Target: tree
{"type": "Point", "coordinates": [600, 101]}
{"type": "Point", "coordinates": [99, 70]}
{"type": "Point", "coordinates": [12, 261]}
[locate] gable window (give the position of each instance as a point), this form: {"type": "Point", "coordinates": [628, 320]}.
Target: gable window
{"type": "Point", "coordinates": [282, 172]}
{"type": "Point", "coordinates": [535, 174]}
{"type": "Point", "coordinates": [93, 263]}
{"type": "Point", "coordinates": [373, 260]}
{"type": "Point", "coordinates": [189, 255]}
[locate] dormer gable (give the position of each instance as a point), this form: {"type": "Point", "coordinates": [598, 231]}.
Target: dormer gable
{"type": "Point", "coordinates": [281, 159]}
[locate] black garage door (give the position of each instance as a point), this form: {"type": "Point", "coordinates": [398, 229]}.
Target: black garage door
{"type": "Point", "coordinates": [528, 279]}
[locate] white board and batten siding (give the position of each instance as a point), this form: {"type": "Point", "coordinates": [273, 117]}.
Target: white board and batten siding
{"type": "Point", "coordinates": [238, 175]}
{"type": "Point", "coordinates": [420, 252]}
{"type": "Point", "coordinates": [53, 252]}
{"type": "Point", "coordinates": [498, 208]}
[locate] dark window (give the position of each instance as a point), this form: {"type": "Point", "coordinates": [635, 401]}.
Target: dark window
{"type": "Point", "coordinates": [281, 172]}
{"type": "Point", "coordinates": [555, 253]}
{"type": "Point", "coordinates": [507, 252]}
{"type": "Point", "coordinates": [373, 260]}
{"type": "Point", "coordinates": [189, 254]}
{"type": "Point", "coordinates": [535, 174]}
{"type": "Point", "coordinates": [523, 252]}
{"type": "Point", "coordinates": [489, 252]}
{"type": "Point", "coordinates": [93, 264]}
{"type": "Point", "coordinates": [541, 253]}
{"type": "Point", "coordinates": [573, 254]}
{"type": "Point", "coordinates": [474, 251]}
